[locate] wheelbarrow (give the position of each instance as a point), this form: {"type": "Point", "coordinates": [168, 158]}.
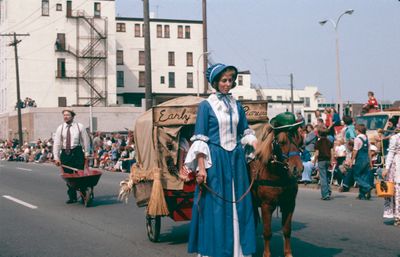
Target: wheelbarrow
{"type": "Point", "coordinates": [82, 181]}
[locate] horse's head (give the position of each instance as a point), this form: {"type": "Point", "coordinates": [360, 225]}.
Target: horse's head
{"type": "Point", "coordinates": [281, 151]}
{"type": "Point", "coordinates": [287, 150]}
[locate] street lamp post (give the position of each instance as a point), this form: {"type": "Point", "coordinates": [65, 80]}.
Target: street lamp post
{"type": "Point", "coordinates": [338, 84]}
{"type": "Point", "coordinates": [198, 76]}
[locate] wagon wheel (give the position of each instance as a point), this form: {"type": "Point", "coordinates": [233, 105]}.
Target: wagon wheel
{"type": "Point", "coordinates": [153, 225]}
{"type": "Point", "coordinates": [88, 197]}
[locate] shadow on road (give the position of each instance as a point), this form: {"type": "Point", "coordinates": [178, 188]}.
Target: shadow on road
{"type": "Point", "coordinates": [178, 234]}
{"type": "Point", "coordinates": [299, 248]}
{"type": "Point", "coordinates": [105, 200]}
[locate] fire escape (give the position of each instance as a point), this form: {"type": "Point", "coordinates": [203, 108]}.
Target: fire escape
{"type": "Point", "coordinates": [91, 59]}
{"type": "Point", "coordinates": [260, 93]}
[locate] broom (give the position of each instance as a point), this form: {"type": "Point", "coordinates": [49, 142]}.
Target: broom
{"type": "Point", "coordinates": [157, 205]}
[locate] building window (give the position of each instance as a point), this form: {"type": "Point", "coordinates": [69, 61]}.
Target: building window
{"type": "Point", "coordinates": [171, 79]}
{"type": "Point", "coordinates": [189, 80]}
{"type": "Point", "coordinates": [69, 8]}
{"type": "Point", "coordinates": [171, 58]}
{"type": "Point", "coordinates": [142, 79]}
{"type": "Point", "coordinates": [62, 101]}
{"type": "Point", "coordinates": [279, 98]}
{"type": "Point", "coordinates": [240, 80]}
{"type": "Point", "coordinates": [120, 57]}
{"type": "Point", "coordinates": [120, 78]}
{"type": "Point", "coordinates": [59, 9]}
{"type": "Point", "coordinates": [159, 31]}
{"type": "Point", "coordinates": [269, 98]}
{"type": "Point", "coordinates": [61, 73]}
{"type": "Point", "coordinates": [162, 80]}
{"type": "Point", "coordinates": [307, 102]}
{"type": "Point", "coordinates": [166, 31]}
{"type": "Point", "coordinates": [60, 42]}
{"type": "Point", "coordinates": [141, 58]}
{"type": "Point", "coordinates": [45, 7]}
{"type": "Point", "coordinates": [180, 31]}
{"type": "Point", "coordinates": [259, 97]}
{"type": "Point", "coordinates": [121, 27]}
{"type": "Point", "coordinates": [143, 30]}
{"type": "Point", "coordinates": [187, 31]}
{"type": "Point", "coordinates": [309, 118]}
{"type": "Point", "coordinates": [97, 9]}
{"type": "Point", "coordinates": [137, 30]}
{"type": "Point", "coordinates": [189, 59]}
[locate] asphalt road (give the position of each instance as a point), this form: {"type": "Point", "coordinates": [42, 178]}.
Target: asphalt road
{"type": "Point", "coordinates": [342, 227]}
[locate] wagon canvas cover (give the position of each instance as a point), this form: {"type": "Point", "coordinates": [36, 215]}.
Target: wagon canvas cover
{"type": "Point", "coordinates": [157, 133]}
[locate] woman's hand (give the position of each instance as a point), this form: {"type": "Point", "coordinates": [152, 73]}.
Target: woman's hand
{"type": "Point", "coordinates": [255, 143]}
{"type": "Point", "coordinates": [201, 176]}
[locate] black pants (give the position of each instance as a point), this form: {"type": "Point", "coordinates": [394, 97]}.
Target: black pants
{"type": "Point", "coordinates": [74, 159]}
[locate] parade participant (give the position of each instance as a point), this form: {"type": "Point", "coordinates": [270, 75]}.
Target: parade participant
{"type": "Point", "coordinates": [324, 156]}
{"type": "Point", "coordinates": [72, 141]}
{"type": "Point", "coordinates": [221, 228]}
{"type": "Point", "coordinates": [362, 162]}
{"type": "Point", "coordinates": [392, 174]}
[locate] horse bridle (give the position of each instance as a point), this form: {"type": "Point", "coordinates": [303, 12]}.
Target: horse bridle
{"type": "Point", "coordinates": [280, 158]}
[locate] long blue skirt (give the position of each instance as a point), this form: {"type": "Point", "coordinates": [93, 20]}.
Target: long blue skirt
{"type": "Point", "coordinates": [211, 228]}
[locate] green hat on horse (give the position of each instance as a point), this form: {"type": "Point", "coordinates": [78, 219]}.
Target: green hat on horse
{"type": "Point", "coordinates": [285, 121]}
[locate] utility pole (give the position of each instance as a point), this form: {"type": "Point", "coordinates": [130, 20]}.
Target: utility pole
{"type": "Point", "coordinates": [15, 45]}
{"type": "Point", "coordinates": [291, 92]}
{"type": "Point", "coordinates": [205, 48]}
{"type": "Point", "coordinates": [147, 52]}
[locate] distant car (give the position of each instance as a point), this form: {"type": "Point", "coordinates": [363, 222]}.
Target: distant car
{"type": "Point", "coordinates": [377, 120]}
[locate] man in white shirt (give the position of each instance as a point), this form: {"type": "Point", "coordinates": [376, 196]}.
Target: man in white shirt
{"type": "Point", "coordinates": [71, 146]}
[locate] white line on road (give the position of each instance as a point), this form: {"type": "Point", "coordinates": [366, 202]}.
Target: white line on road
{"type": "Point", "coordinates": [20, 202]}
{"type": "Point", "coordinates": [18, 168]}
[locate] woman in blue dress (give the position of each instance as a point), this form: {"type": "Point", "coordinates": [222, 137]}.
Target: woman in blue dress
{"type": "Point", "coordinates": [220, 228]}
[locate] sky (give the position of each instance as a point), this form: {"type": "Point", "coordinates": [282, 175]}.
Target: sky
{"type": "Point", "coordinates": [273, 38]}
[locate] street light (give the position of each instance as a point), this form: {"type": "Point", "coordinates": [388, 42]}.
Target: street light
{"type": "Point", "coordinates": [198, 77]}
{"type": "Point", "coordinates": [338, 86]}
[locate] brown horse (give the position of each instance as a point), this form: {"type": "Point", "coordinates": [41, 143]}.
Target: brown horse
{"type": "Point", "coordinates": [276, 168]}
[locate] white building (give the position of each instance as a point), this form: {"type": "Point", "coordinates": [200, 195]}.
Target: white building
{"type": "Point", "coordinates": [176, 59]}
{"type": "Point", "coordinates": [279, 100]}
{"type": "Point", "coordinates": [69, 57]}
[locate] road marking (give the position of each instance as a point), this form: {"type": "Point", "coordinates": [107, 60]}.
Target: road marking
{"type": "Point", "coordinates": [18, 168]}
{"type": "Point", "coordinates": [20, 202]}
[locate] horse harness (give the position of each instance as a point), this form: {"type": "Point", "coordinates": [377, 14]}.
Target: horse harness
{"type": "Point", "coordinates": [279, 159]}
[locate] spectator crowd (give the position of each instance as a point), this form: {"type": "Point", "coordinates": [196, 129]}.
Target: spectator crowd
{"type": "Point", "coordinates": [112, 152]}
